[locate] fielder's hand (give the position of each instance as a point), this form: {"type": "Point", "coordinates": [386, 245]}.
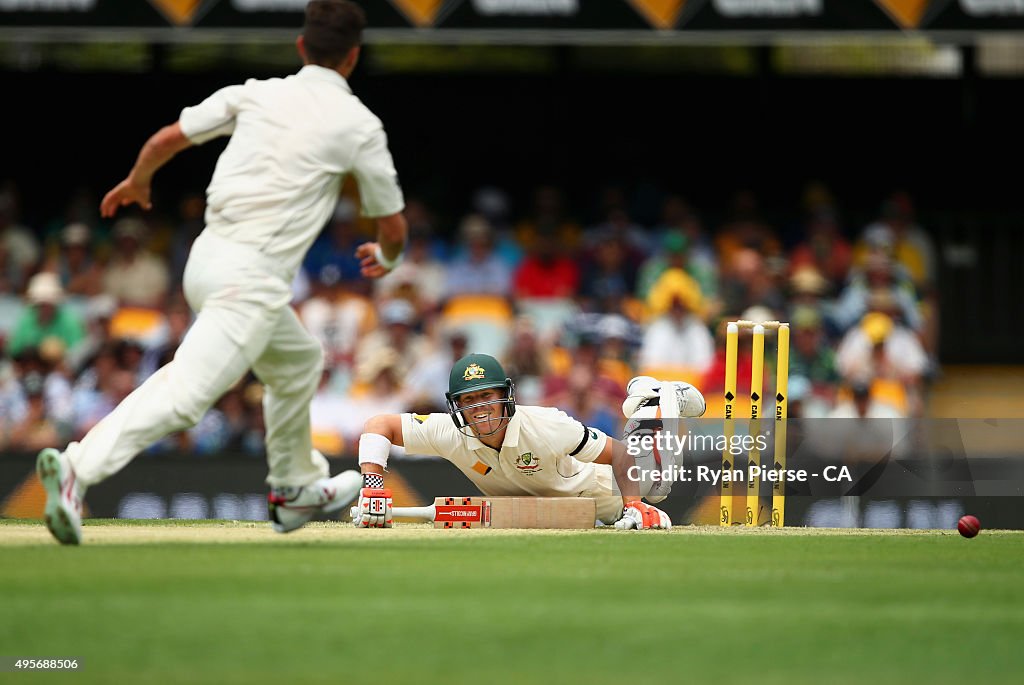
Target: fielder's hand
{"type": "Point", "coordinates": [642, 516]}
{"type": "Point", "coordinates": [374, 509]}
{"type": "Point", "coordinates": [128, 191]}
{"type": "Point", "coordinates": [372, 263]}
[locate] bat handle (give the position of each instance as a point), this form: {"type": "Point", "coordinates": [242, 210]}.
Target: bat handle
{"type": "Point", "coordinates": [421, 513]}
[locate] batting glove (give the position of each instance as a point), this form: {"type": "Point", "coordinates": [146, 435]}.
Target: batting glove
{"type": "Point", "coordinates": [642, 516]}
{"type": "Point", "coordinates": [374, 509]}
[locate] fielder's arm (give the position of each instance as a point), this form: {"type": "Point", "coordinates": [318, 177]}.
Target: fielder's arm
{"type": "Point", "coordinates": [377, 259]}
{"type": "Point", "coordinates": [161, 147]}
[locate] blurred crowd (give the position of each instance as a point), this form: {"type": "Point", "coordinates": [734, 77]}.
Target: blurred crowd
{"type": "Point", "coordinates": [573, 303]}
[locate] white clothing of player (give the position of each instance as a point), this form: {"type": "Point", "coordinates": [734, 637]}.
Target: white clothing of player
{"type": "Point", "coordinates": [292, 142]}
{"type": "Point", "coordinates": [545, 453]}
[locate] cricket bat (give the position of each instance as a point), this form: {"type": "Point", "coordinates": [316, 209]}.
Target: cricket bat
{"type": "Point", "coordinates": [504, 512]}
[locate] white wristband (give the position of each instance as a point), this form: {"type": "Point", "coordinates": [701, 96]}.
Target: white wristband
{"type": "Point", "coordinates": [374, 449]}
{"type": "Point", "coordinates": [388, 264]}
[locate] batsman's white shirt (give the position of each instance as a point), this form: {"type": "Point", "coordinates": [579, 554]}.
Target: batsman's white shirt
{"type": "Point", "coordinates": [546, 453]}
{"type": "Point", "coordinates": [292, 142]}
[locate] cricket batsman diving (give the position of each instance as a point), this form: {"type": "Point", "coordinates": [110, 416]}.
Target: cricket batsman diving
{"type": "Point", "coordinates": [293, 141]}
{"type": "Point", "coordinates": [506, 449]}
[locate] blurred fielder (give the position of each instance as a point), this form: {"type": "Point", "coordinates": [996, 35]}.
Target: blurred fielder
{"type": "Point", "coordinates": [506, 449]}
{"type": "Point", "coordinates": [293, 140]}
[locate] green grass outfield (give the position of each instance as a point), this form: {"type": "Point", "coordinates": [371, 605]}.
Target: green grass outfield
{"type": "Point", "coordinates": [232, 603]}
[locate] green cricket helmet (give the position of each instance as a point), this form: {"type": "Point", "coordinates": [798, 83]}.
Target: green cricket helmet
{"type": "Point", "coordinates": [472, 373]}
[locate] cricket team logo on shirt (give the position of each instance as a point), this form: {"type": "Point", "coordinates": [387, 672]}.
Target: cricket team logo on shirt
{"type": "Point", "coordinates": [527, 463]}
{"type": "Point", "coordinates": [474, 372]}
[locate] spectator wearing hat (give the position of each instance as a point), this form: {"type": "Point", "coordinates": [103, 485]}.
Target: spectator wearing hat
{"type": "Point", "coordinates": [338, 315]}
{"type": "Point", "coordinates": [749, 278]}
{"type": "Point", "coordinates": [811, 356]}
{"type": "Point", "coordinates": [878, 274]}
{"type": "Point", "coordinates": [19, 248]}
{"type": "Point", "coordinates": [561, 385]}
{"type": "Point", "coordinates": [879, 347]}
{"type": "Point", "coordinates": [675, 254]}
{"type": "Point", "coordinates": [908, 244]}
{"type": "Point", "coordinates": [913, 252]}
{"type": "Point", "coordinates": [397, 333]}
{"type": "Point", "coordinates": [45, 316]}
{"type": "Point", "coordinates": [134, 276]}
{"type": "Point", "coordinates": [37, 428]}
{"type": "Point", "coordinates": [379, 383]}
{"type": "Point", "coordinates": [672, 284]}
{"type": "Point", "coordinates": [578, 399]}
{"type": "Point", "coordinates": [79, 273]}
{"type": "Point", "coordinates": [803, 403]}
{"type": "Point", "coordinates": [99, 389]}
{"type": "Point", "coordinates": [677, 337]}
{"type": "Point", "coordinates": [609, 271]}
{"type": "Point", "coordinates": [492, 203]}
{"type": "Point", "coordinates": [807, 289]}
{"type": "Point", "coordinates": [823, 250]}
{"type": "Point", "coordinates": [619, 227]}
{"type": "Point", "coordinates": [422, 275]}
{"type": "Point", "coordinates": [527, 360]}
{"type": "Point", "coordinates": [549, 217]}
{"type": "Point", "coordinates": [546, 272]}
{"type": "Point", "coordinates": [99, 311]}
{"type": "Point", "coordinates": [745, 230]}
{"type": "Point", "coordinates": [12, 400]}
{"type": "Point", "coordinates": [425, 384]}
{"type": "Point", "coordinates": [178, 319]}
{"type": "Point", "coordinates": [678, 216]}
{"type": "Point", "coordinates": [889, 357]}
{"type": "Point", "coordinates": [807, 286]}
{"type": "Point", "coordinates": [620, 339]}
{"type": "Point", "coordinates": [478, 270]}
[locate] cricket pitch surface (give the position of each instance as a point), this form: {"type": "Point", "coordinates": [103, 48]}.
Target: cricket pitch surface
{"type": "Point", "coordinates": [233, 602]}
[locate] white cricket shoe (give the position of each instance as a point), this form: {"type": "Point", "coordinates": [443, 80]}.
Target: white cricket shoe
{"type": "Point", "coordinates": [291, 508]}
{"type": "Point", "coordinates": [63, 496]}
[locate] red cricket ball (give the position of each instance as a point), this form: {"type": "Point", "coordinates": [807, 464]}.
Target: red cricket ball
{"type": "Point", "coordinates": [968, 526]}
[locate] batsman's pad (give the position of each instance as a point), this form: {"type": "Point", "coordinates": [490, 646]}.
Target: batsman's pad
{"type": "Point", "coordinates": [651, 403]}
{"type": "Point", "coordinates": [677, 399]}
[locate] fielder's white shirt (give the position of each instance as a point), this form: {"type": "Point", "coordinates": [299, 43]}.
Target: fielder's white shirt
{"type": "Point", "coordinates": [546, 453]}
{"type": "Point", "coordinates": [292, 142]}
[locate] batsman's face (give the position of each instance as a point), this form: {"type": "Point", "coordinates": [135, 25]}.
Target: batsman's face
{"type": "Point", "coordinates": [483, 410]}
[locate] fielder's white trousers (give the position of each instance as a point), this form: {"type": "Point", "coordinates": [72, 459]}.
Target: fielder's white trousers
{"type": "Point", "coordinates": [243, 322]}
